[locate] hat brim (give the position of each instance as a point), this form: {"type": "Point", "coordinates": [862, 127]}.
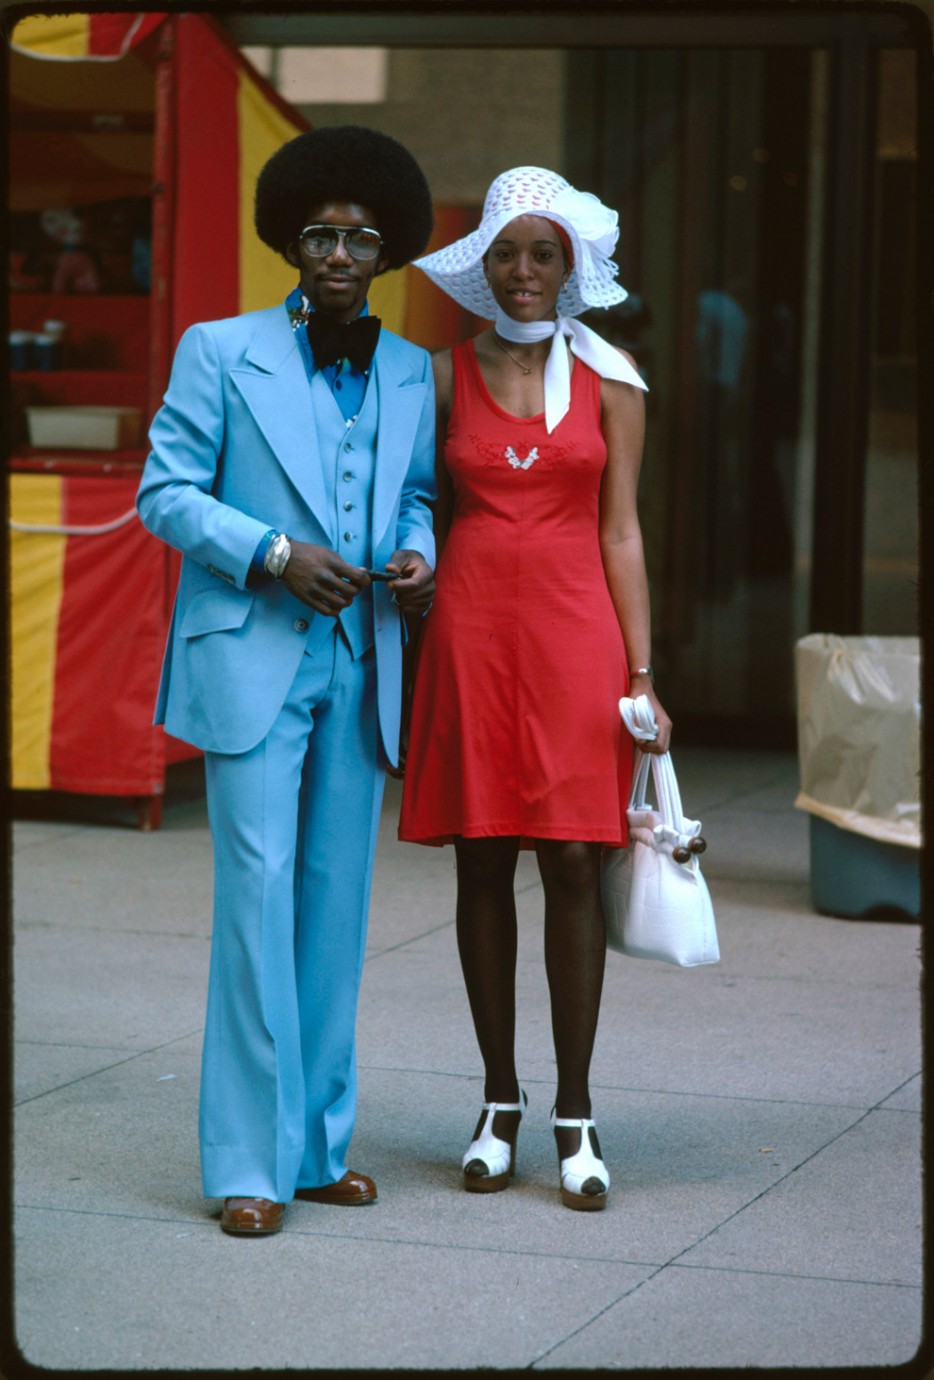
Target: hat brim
{"type": "Point", "coordinates": [458, 270]}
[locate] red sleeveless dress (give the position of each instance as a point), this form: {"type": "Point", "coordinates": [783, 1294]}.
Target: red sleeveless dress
{"type": "Point", "coordinates": [515, 719]}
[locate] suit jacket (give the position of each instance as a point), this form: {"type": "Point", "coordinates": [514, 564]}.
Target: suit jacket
{"type": "Point", "coordinates": [235, 453]}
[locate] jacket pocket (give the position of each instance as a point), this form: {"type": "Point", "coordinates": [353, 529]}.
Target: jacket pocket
{"type": "Point", "coordinates": [215, 610]}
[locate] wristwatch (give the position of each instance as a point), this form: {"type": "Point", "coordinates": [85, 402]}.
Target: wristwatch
{"type": "Point", "coordinates": [277, 555]}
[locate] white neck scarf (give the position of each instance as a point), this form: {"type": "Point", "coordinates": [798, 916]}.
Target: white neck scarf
{"type": "Point", "coordinates": [589, 347]}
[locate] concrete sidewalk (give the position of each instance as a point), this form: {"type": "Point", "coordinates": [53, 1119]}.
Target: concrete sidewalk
{"type": "Point", "coordinates": [760, 1119]}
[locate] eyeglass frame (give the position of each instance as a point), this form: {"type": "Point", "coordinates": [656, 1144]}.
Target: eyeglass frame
{"type": "Point", "coordinates": [342, 231]}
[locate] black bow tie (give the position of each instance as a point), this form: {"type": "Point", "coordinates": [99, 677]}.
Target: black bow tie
{"type": "Point", "coordinates": [330, 341]}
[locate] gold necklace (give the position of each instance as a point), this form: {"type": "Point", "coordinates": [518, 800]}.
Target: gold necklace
{"type": "Point", "coordinates": [512, 356]}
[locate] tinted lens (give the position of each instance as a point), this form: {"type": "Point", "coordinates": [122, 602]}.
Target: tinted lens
{"type": "Point", "coordinates": [321, 240]}
{"type": "Point", "coordinates": [363, 244]}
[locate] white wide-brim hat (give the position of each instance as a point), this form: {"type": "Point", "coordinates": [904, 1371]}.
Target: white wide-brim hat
{"type": "Point", "coordinates": [591, 227]}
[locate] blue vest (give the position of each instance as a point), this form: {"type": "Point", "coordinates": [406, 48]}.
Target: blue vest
{"type": "Point", "coordinates": [348, 455]}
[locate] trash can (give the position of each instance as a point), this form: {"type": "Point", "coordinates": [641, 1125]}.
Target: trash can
{"type": "Point", "coordinates": [859, 751]}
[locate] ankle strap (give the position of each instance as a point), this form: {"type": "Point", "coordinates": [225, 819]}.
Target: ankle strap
{"type": "Point", "coordinates": [581, 1121]}
{"type": "Point", "coordinates": [519, 1106]}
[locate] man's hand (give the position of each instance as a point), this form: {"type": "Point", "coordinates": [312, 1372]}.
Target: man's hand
{"type": "Point", "coordinates": [415, 588]}
{"type": "Point", "coordinates": [322, 579]}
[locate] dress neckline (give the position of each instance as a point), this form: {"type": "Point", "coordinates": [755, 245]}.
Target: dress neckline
{"type": "Point", "coordinates": [491, 402]}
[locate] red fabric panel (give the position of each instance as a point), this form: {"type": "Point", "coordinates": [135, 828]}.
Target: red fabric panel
{"type": "Point", "coordinates": [111, 33]}
{"type": "Point", "coordinates": [104, 332]}
{"type": "Point", "coordinates": [176, 750]}
{"type": "Point", "coordinates": [259, 81]}
{"type": "Point", "coordinates": [111, 635]}
{"type": "Point", "coordinates": [206, 240]}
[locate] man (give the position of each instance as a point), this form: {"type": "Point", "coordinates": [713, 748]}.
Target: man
{"type": "Point", "coordinates": [294, 452]}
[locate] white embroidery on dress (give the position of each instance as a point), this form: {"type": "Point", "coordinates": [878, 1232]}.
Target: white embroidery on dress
{"type": "Point", "coordinates": [518, 464]}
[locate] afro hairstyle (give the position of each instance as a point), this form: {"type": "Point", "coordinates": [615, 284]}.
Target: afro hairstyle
{"type": "Point", "coordinates": [345, 163]}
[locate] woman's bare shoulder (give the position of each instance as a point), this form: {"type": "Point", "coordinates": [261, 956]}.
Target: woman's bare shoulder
{"type": "Point", "coordinates": [442, 361]}
{"type": "Point", "coordinates": [619, 393]}
{"type": "Point", "coordinates": [442, 367]}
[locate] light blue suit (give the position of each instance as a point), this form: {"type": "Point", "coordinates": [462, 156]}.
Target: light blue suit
{"type": "Point", "coordinates": [296, 730]}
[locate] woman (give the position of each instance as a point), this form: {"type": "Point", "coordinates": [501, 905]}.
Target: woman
{"type": "Point", "coordinates": [540, 624]}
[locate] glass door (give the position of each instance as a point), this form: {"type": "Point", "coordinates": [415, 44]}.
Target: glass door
{"type": "Point", "coordinates": [730, 169]}
{"type": "Point", "coordinates": [890, 534]}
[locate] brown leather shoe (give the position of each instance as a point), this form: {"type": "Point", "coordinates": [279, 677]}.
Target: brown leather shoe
{"type": "Point", "coordinates": [251, 1216]}
{"type": "Point", "coordinates": [353, 1190]}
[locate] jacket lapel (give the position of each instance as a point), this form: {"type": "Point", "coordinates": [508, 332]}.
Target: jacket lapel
{"type": "Point", "coordinates": [273, 384]}
{"type": "Point", "coordinates": [400, 399]}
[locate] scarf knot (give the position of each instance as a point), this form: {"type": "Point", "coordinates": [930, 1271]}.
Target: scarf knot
{"type": "Point", "coordinates": [589, 347]}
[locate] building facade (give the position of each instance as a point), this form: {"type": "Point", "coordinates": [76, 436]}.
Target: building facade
{"type": "Point", "coordinates": [764, 164]}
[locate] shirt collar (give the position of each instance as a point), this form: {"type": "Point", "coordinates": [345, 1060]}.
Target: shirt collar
{"type": "Point", "coordinates": [306, 306]}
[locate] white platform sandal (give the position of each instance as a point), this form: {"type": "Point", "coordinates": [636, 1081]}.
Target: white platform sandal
{"type": "Point", "coordinates": [490, 1162]}
{"type": "Point", "coordinates": [585, 1180]}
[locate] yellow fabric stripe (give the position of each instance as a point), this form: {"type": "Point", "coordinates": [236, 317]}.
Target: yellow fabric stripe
{"type": "Point", "coordinates": [36, 580]}
{"type": "Point", "coordinates": [265, 277]}
{"type": "Point", "coordinates": [387, 299]}
{"type": "Point", "coordinates": [54, 35]}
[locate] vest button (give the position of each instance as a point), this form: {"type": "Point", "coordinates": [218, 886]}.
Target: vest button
{"type": "Point", "coordinates": [348, 445]}
{"type": "Point", "coordinates": [347, 476]}
{"type": "Point", "coordinates": [348, 507]}
{"type": "Point", "coordinates": [348, 536]}
{"type": "Point", "coordinates": [300, 625]}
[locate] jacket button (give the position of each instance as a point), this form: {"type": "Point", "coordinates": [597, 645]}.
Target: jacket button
{"type": "Point", "coordinates": [301, 625]}
{"type": "Point", "coordinates": [347, 476]}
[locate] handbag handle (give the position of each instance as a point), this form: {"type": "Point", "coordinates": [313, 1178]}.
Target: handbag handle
{"type": "Point", "coordinates": [640, 780]}
{"type": "Point", "coordinates": [667, 794]}
{"type": "Point", "coordinates": [639, 718]}
{"type": "Point", "coordinates": [666, 784]}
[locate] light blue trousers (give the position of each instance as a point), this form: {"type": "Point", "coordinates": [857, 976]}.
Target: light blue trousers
{"type": "Point", "coordinates": [294, 825]}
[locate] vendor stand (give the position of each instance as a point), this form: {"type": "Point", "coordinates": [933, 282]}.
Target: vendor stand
{"type": "Point", "coordinates": [135, 142]}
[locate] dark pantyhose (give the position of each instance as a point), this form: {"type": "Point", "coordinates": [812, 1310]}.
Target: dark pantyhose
{"type": "Point", "coordinates": [575, 954]}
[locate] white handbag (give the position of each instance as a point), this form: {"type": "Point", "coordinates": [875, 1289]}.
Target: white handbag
{"type": "Point", "coordinates": [655, 898]}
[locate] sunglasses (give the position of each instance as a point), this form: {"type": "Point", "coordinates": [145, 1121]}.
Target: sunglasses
{"type": "Point", "coordinates": [320, 241]}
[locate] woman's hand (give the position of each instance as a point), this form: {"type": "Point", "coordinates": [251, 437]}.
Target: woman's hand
{"type": "Point", "coordinates": [642, 685]}
{"type": "Point", "coordinates": [322, 579]}
{"type": "Point", "coordinates": [415, 588]}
